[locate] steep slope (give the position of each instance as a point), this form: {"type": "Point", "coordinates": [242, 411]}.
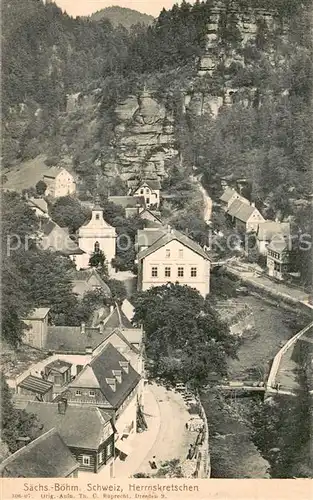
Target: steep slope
{"type": "Point", "coordinates": [121, 15]}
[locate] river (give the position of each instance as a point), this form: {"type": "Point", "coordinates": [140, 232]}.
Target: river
{"type": "Point", "coordinates": [233, 454]}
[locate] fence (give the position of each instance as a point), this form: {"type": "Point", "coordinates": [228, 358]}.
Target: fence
{"type": "Point", "coordinates": [271, 381]}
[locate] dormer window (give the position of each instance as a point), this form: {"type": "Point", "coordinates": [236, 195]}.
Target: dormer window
{"type": "Point", "coordinates": [124, 365]}
{"type": "Point", "coordinates": [97, 216]}
{"type": "Point", "coordinates": [111, 383]}
{"type": "Point", "coordinates": [118, 375]}
{"type": "Point", "coordinates": [92, 394]}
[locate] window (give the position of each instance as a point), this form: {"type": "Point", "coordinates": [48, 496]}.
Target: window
{"type": "Point", "coordinates": [167, 253]}
{"type": "Point", "coordinates": [100, 457]}
{"type": "Point", "coordinates": [141, 191]}
{"type": "Point", "coordinates": [154, 272]}
{"type": "Point", "coordinates": [92, 394]}
{"type": "Point", "coordinates": [109, 450]}
{"type": "Point", "coordinates": [78, 393]}
{"type": "Point", "coordinates": [181, 253]}
{"type": "Point", "coordinates": [86, 460]}
{"type": "Point", "coordinates": [180, 272]}
{"type": "Point", "coordinates": [193, 272]}
{"type": "Point", "coordinates": [167, 272]}
{"type": "Point", "coordinates": [97, 216]}
{"type": "Point", "coordinates": [147, 190]}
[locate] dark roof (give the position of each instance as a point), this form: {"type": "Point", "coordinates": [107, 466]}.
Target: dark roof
{"type": "Point", "coordinates": [70, 339]}
{"type": "Point", "coordinates": [102, 367]}
{"type": "Point", "coordinates": [39, 203]}
{"type": "Point", "coordinates": [81, 279]}
{"type": "Point", "coordinates": [154, 213]}
{"type": "Point", "coordinates": [47, 227]}
{"type": "Point", "coordinates": [240, 210]}
{"type": "Point", "coordinates": [279, 244]}
{"type": "Point", "coordinates": [36, 384]}
{"type": "Point", "coordinates": [146, 238]}
{"type": "Point", "coordinates": [38, 313]}
{"type": "Point", "coordinates": [79, 426]}
{"type": "Point", "coordinates": [173, 235]}
{"type": "Point", "coordinates": [127, 201]}
{"type": "Point", "coordinates": [117, 319]}
{"type": "Point", "coordinates": [153, 224]}
{"type": "Point", "coordinates": [268, 229]}
{"type": "Point", "coordinates": [153, 184]}
{"type": "Point", "coordinates": [228, 193]}
{"type": "Point", "coordinates": [46, 456]}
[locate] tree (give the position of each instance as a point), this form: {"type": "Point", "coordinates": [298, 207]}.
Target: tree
{"type": "Point", "coordinates": [98, 260]}
{"type": "Point", "coordinates": [68, 212]}
{"type": "Point", "coordinates": [41, 187]}
{"type": "Point", "coordinates": [118, 290]}
{"type": "Point", "coordinates": [185, 338]}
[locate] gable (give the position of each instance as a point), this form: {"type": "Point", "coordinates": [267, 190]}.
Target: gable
{"type": "Point", "coordinates": [86, 378]}
{"type": "Point", "coordinates": [255, 216]}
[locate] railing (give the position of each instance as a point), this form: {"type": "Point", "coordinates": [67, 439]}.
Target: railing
{"type": "Point", "coordinates": [271, 381]}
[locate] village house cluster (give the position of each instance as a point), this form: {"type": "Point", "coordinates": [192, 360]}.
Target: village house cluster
{"type": "Point", "coordinates": [272, 237]}
{"type": "Point", "coordinates": [86, 383]}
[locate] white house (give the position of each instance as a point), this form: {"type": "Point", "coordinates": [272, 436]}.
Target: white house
{"type": "Point", "coordinates": [244, 217]}
{"type": "Point", "coordinates": [150, 190]}
{"type": "Point", "coordinates": [267, 231]}
{"type": "Point", "coordinates": [95, 234]}
{"type": "Point", "coordinates": [229, 196]}
{"type": "Point", "coordinates": [59, 182]}
{"type": "Point", "coordinates": [174, 258]}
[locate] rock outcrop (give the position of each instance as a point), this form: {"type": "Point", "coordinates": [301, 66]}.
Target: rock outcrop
{"type": "Point", "coordinates": [144, 136]}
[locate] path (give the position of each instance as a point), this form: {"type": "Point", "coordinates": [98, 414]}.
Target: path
{"type": "Point", "coordinates": [166, 437]}
{"type": "Point", "coordinates": [246, 273]}
{"type": "Point", "coordinates": [206, 198]}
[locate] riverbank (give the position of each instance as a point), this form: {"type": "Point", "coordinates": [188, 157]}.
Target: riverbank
{"type": "Point", "coordinates": [233, 453]}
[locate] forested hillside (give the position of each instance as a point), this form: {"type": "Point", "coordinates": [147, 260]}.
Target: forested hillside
{"type": "Point", "coordinates": [120, 15]}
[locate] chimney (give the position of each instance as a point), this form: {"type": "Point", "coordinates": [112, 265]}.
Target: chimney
{"type": "Point", "coordinates": [62, 406]}
{"type": "Point", "coordinates": [169, 229]}
{"type": "Point", "coordinates": [124, 365]}
{"type": "Point", "coordinates": [252, 204]}
{"type": "Point", "coordinates": [111, 309]}
{"type": "Point", "coordinates": [111, 383]}
{"type": "Point", "coordinates": [118, 375]}
{"type": "Point", "coordinates": [83, 328]}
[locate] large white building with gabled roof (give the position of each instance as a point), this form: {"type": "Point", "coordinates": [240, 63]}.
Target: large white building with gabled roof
{"type": "Point", "coordinates": [172, 257]}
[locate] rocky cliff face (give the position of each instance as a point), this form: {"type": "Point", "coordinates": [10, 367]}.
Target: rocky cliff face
{"type": "Point", "coordinates": [144, 137]}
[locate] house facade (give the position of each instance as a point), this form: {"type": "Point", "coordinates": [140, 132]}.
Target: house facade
{"type": "Point", "coordinates": [87, 432]}
{"type": "Point", "coordinates": [278, 258]}
{"type": "Point", "coordinates": [246, 218]}
{"type": "Point", "coordinates": [174, 258]}
{"type": "Point", "coordinates": [96, 235]}
{"type": "Point", "coordinates": [150, 191]}
{"type": "Point", "coordinates": [229, 196]}
{"type": "Point", "coordinates": [37, 322]}
{"type": "Point", "coordinates": [267, 231]}
{"type": "Point", "coordinates": [110, 383]}
{"type": "Point", "coordinates": [59, 182]}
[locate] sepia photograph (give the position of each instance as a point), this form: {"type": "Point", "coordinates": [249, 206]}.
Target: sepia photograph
{"type": "Point", "coordinates": [156, 249]}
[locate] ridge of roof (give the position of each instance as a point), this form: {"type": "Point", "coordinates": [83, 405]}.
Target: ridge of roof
{"type": "Point", "coordinates": [33, 460]}
{"type": "Point", "coordinates": [170, 236]}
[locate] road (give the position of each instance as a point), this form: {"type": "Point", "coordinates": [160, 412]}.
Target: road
{"type": "Point", "coordinates": [206, 198]}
